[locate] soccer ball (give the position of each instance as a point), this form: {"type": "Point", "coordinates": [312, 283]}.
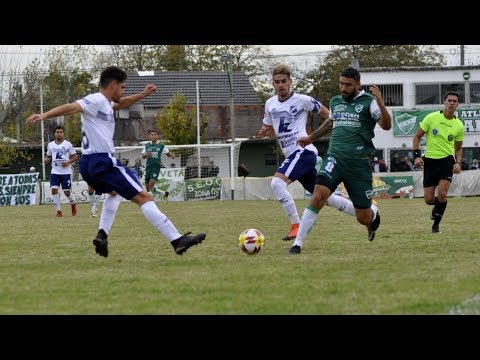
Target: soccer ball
{"type": "Point", "coordinates": [251, 241]}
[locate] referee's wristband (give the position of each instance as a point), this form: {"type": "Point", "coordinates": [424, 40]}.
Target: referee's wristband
{"type": "Point", "coordinates": [457, 162]}
{"type": "Point", "coordinates": [416, 153]}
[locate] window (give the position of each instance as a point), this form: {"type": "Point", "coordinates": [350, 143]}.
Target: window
{"type": "Point", "coordinates": [475, 93]}
{"type": "Point", "coordinates": [433, 94]}
{"type": "Point", "coordinates": [392, 93]}
{"type": "Point", "coordinates": [460, 88]}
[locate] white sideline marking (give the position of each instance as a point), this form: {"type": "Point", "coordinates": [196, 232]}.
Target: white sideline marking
{"type": "Point", "coordinates": [468, 307]}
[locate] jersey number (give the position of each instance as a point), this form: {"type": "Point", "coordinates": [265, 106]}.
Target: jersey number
{"type": "Point", "coordinates": [85, 143]}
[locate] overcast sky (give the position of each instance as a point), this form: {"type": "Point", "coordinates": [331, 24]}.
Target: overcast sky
{"type": "Point", "coordinates": [306, 53]}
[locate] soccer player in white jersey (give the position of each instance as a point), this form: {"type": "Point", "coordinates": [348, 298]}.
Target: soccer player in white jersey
{"type": "Point", "coordinates": [286, 115]}
{"type": "Point", "coordinates": [61, 154]}
{"type": "Point", "coordinates": [105, 173]}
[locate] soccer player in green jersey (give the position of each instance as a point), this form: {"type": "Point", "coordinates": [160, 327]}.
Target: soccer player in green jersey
{"type": "Point", "coordinates": [353, 116]}
{"type": "Point", "coordinates": [443, 154]}
{"type": "Point", "coordinates": [153, 152]}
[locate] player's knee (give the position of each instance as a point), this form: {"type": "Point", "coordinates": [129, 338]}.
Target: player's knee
{"type": "Point", "coordinates": [278, 185]}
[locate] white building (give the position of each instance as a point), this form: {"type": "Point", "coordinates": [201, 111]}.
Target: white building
{"type": "Point", "coordinates": [412, 92]}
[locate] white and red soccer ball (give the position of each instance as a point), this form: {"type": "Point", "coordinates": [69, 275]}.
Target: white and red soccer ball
{"type": "Point", "coordinates": [251, 241]}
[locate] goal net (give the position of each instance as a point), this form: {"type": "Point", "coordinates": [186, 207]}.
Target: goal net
{"type": "Point", "coordinates": [196, 173]}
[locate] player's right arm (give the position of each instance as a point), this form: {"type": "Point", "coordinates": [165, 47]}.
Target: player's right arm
{"type": "Point", "coordinates": [65, 109]}
{"type": "Point", "coordinates": [267, 127]}
{"type": "Point", "coordinates": [416, 147]}
{"type": "Point", "coordinates": [146, 153]}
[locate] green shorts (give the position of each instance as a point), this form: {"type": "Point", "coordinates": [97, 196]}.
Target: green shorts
{"type": "Point", "coordinates": [355, 174]}
{"type": "Point", "coordinates": [151, 174]}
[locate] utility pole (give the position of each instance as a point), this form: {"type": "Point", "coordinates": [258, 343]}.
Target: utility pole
{"type": "Point", "coordinates": [462, 55]}
{"type": "Point", "coordinates": [227, 58]}
{"type": "Point", "coordinates": [20, 106]}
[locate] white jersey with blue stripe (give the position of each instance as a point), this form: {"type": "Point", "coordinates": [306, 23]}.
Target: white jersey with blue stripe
{"type": "Point", "coordinates": [98, 124]}
{"type": "Point", "coordinates": [60, 153]}
{"type": "Point", "coordinates": [289, 120]}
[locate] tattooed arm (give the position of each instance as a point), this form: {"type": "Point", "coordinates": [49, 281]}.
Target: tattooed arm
{"type": "Point", "coordinates": [323, 130]}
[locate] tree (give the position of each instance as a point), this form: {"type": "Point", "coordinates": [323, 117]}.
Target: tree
{"type": "Point", "coordinates": [9, 153]}
{"type": "Point", "coordinates": [325, 75]}
{"type": "Point", "coordinates": [66, 74]}
{"type": "Point", "coordinates": [13, 96]}
{"type": "Point", "coordinates": [179, 125]}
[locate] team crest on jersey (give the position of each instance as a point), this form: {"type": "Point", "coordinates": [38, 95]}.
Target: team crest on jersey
{"type": "Point", "coordinates": [369, 194]}
{"type": "Point", "coordinates": [435, 131]}
{"type": "Point", "coordinates": [450, 137]}
{"type": "Point", "coordinates": [340, 107]}
{"type": "Point", "coordinates": [293, 109]}
{"type": "Point", "coordinates": [331, 159]}
{"type": "Point", "coordinates": [359, 108]}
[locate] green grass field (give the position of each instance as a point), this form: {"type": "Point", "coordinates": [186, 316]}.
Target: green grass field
{"type": "Point", "coordinates": [49, 266]}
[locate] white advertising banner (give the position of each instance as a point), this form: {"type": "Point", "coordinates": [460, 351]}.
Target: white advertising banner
{"type": "Point", "coordinates": [18, 189]}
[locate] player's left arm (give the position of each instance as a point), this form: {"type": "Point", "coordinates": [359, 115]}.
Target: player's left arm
{"type": "Point", "coordinates": [126, 101]}
{"type": "Point", "coordinates": [385, 120]}
{"type": "Point", "coordinates": [324, 112]}
{"type": "Point", "coordinates": [457, 167]}
{"type": "Point", "coordinates": [73, 158]}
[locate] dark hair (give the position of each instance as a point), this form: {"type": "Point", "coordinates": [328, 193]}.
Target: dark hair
{"type": "Point", "coordinates": [112, 73]}
{"type": "Point", "coordinates": [351, 73]}
{"type": "Point", "coordinates": [59, 127]}
{"type": "Point", "coordinates": [155, 131]}
{"type": "Point", "coordinates": [454, 93]}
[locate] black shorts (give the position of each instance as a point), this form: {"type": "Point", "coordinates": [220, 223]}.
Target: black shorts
{"type": "Point", "coordinates": [435, 170]}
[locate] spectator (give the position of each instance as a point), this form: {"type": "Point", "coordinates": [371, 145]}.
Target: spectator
{"type": "Point", "coordinates": [243, 170]}
{"type": "Point", "coordinates": [383, 166]}
{"type": "Point", "coordinates": [32, 169]}
{"type": "Point", "coordinates": [404, 164]}
{"type": "Point", "coordinates": [378, 165]}
{"type": "Point", "coordinates": [23, 171]}
{"type": "Point", "coordinates": [409, 163]}
{"type": "Point", "coordinates": [395, 163]}
{"type": "Point", "coordinates": [138, 167]}
{"type": "Point", "coordinates": [191, 171]}
{"type": "Point", "coordinates": [211, 170]}
{"type": "Point", "coordinates": [475, 165]}
{"type": "Point", "coordinates": [463, 164]}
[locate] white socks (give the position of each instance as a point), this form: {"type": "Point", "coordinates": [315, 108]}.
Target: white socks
{"type": "Point", "coordinates": [308, 220]}
{"type": "Point", "coordinates": [285, 198]}
{"type": "Point", "coordinates": [93, 202]}
{"type": "Point", "coordinates": [160, 221]}
{"type": "Point", "coordinates": [342, 204]}
{"type": "Point", "coordinates": [56, 201]}
{"type": "Point", "coordinates": [109, 210]}
{"type": "Point", "coordinates": [345, 205]}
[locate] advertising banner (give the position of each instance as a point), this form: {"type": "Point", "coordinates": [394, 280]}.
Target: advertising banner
{"type": "Point", "coordinates": [392, 186]}
{"type": "Point", "coordinates": [18, 189]}
{"type": "Point", "coordinates": [204, 189]}
{"type": "Point", "coordinates": [405, 123]}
